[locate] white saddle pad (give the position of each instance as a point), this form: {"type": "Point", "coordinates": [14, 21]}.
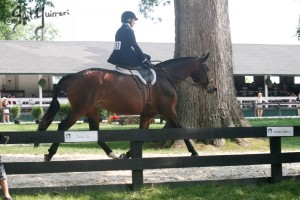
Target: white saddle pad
{"type": "Point", "coordinates": [136, 73]}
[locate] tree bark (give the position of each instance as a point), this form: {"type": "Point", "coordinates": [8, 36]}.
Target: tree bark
{"type": "Point", "coordinates": [203, 26]}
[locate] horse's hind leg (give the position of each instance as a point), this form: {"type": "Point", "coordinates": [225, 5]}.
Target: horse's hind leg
{"type": "Point", "coordinates": [65, 124]}
{"type": "Point", "coordinates": [93, 119]}
{"type": "Point", "coordinates": [175, 124]}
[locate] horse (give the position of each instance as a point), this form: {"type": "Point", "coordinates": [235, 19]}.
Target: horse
{"type": "Point", "coordinates": [92, 89]}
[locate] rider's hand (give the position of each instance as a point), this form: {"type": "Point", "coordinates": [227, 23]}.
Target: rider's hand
{"type": "Point", "coordinates": [148, 63]}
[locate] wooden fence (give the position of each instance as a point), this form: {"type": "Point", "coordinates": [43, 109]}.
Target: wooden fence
{"type": "Point", "coordinates": [137, 164]}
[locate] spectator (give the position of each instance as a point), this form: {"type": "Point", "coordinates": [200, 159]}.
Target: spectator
{"type": "Point", "coordinates": [5, 110]}
{"type": "Point", "coordinates": [3, 183]}
{"type": "Point", "coordinates": [298, 101]}
{"type": "Point", "coordinates": [260, 100]}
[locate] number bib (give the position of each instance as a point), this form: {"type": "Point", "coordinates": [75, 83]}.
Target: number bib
{"type": "Point", "coordinates": [117, 45]}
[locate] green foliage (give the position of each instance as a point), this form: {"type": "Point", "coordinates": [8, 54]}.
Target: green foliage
{"type": "Point", "coordinates": [15, 111]}
{"type": "Point", "coordinates": [6, 7]}
{"type": "Point", "coordinates": [50, 33]}
{"type": "Point", "coordinates": [37, 112]}
{"type": "Point", "coordinates": [269, 82]}
{"type": "Point", "coordinates": [26, 5]}
{"type": "Point", "coordinates": [12, 27]}
{"type": "Point", "coordinates": [103, 112]}
{"type": "Point", "coordinates": [6, 32]}
{"type": "Point", "coordinates": [64, 110]}
{"type": "Point", "coordinates": [42, 82]}
{"type": "Point", "coordinates": [147, 6]}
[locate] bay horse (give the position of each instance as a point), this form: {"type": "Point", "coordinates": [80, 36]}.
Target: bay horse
{"type": "Point", "coordinates": [92, 89]}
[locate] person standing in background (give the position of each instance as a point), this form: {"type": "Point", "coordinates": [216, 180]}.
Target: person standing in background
{"type": "Point", "coordinates": [5, 110]}
{"type": "Point", "coordinates": [298, 105]}
{"type": "Point", "coordinates": [260, 100]}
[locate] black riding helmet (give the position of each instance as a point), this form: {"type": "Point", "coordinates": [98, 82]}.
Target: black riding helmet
{"type": "Point", "coordinates": [127, 15]}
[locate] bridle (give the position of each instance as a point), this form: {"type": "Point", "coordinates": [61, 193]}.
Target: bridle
{"type": "Point", "coordinates": [208, 86]}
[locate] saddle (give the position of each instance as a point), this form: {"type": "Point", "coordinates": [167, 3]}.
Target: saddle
{"type": "Point", "coordinates": [145, 74]}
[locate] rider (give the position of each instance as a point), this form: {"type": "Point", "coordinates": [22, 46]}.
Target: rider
{"type": "Point", "coordinates": [127, 52]}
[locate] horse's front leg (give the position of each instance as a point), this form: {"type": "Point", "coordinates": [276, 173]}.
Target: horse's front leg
{"type": "Point", "coordinates": [190, 148]}
{"type": "Point", "coordinates": [51, 152]}
{"type": "Point", "coordinates": [144, 124]}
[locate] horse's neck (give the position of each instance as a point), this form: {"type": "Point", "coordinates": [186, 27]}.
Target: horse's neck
{"type": "Point", "coordinates": [180, 71]}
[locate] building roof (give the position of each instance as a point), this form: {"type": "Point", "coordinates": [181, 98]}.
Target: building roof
{"type": "Point", "coordinates": [262, 59]}
{"type": "Point", "coordinates": [32, 57]}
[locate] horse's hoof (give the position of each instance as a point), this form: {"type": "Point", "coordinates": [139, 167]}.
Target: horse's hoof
{"type": "Point", "coordinates": [123, 156]}
{"type": "Point", "coordinates": [113, 155]}
{"type": "Point", "coordinates": [47, 158]}
{"type": "Point", "coordinates": [195, 154]}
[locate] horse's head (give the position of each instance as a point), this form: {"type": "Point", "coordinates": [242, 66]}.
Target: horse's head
{"type": "Point", "coordinates": [202, 75]}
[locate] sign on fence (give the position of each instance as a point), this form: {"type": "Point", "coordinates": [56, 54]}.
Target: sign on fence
{"type": "Point", "coordinates": [280, 131]}
{"type": "Point", "coordinates": [81, 136]}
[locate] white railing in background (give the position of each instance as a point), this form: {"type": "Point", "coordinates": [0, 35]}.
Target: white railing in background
{"type": "Point", "coordinates": [30, 102]}
{"type": "Point", "coordinates": [280, 100]}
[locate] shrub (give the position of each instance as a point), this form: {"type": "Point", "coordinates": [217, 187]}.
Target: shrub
{"type": "Point", "coordinates": [102, 114]}
{"type": "Point", "coordinates": [64, 110]}
{"type": "Point", "coordinates": [37, 112]}
{"type": "Point", "coordinates": [42, 82]}
{"type": "Point", "coordinates": [15, 112]}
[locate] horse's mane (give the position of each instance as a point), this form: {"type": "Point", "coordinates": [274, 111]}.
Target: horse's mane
{"type": "Point", "coordinates": [157, 66]}
{"type": "Point", "coordinates": [174, 60]}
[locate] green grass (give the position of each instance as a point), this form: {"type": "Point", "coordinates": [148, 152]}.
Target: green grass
{"type": "Point", "coordinates": [286, 190]}
{"type": "Point", "coordinates": [275, 122]}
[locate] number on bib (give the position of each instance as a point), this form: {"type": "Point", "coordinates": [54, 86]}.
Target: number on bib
{"type": "Point", "coordinates": [117, 45]}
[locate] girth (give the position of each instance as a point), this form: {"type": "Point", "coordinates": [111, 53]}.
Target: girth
{"type": "Point", "coordinates": [146, 98]}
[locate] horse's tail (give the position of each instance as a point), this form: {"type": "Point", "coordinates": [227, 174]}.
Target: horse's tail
{"type": "Point", "coordinates": [54, 105]}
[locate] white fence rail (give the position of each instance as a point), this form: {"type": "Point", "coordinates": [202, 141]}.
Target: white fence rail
{"type": "Point", "coordinates": [30, 102]}
{"type": "Point", "coordinates": [272, 100]}
{"type": "Point", "coordinates": [45, 102]}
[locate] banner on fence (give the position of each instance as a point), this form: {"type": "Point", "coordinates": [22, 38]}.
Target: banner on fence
{"type": "Point", "coordinates": [81, 136]}
{"type": "Point", "coordinates": [280, 131]}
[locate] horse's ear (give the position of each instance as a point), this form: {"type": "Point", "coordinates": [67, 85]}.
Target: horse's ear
{"type": "Point", "coordinates": [204, 58]}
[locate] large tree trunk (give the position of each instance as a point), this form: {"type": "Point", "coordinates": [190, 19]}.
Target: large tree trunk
{"type": "Point", "coordinates": [203, 26]}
